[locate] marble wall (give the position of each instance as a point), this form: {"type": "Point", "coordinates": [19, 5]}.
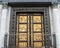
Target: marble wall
{"type": "Point", "coordinates": [4, 23]}
{"type": "Point", "coordinates": [56, 14]}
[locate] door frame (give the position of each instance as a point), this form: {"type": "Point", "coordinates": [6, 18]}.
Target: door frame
{"type": "Point", "coordinates": [47, 30]}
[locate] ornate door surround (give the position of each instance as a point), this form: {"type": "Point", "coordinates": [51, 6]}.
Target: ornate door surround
{"type": "Point", "coordinates": [12, 32]}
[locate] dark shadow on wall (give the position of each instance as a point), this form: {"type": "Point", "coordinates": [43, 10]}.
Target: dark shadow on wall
{"type": "Point", "coordinates": [5, 41]}
{"type": "Point", "coordinates": [54, 40]}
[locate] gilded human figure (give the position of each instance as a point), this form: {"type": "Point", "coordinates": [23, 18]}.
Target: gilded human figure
{"type": "Point", "coordinates": [37, 27]}
{"type": "Point", "coordinates": [22, 27]}
{"type": "Point", "coordinates": [36, 19]}
{"type": "Point", "coordinates": [23, 19]}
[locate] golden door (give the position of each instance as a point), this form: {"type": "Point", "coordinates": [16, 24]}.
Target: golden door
{"type": "Point", "coordinates": [29, 30]}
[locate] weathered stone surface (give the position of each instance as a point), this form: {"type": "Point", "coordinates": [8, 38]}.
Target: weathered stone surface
{"type": "Point", "coordinates": [56, 24]}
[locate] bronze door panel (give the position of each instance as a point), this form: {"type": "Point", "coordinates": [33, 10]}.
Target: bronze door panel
{"type": "Point", "coordinates": [29, 30]}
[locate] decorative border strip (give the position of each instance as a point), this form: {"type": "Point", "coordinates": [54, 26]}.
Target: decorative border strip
{"type": "Point", "coordinates": [45, 10]}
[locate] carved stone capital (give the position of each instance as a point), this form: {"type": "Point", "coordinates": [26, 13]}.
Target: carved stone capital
{"type": "Point", "coordinates": [5, 5]}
